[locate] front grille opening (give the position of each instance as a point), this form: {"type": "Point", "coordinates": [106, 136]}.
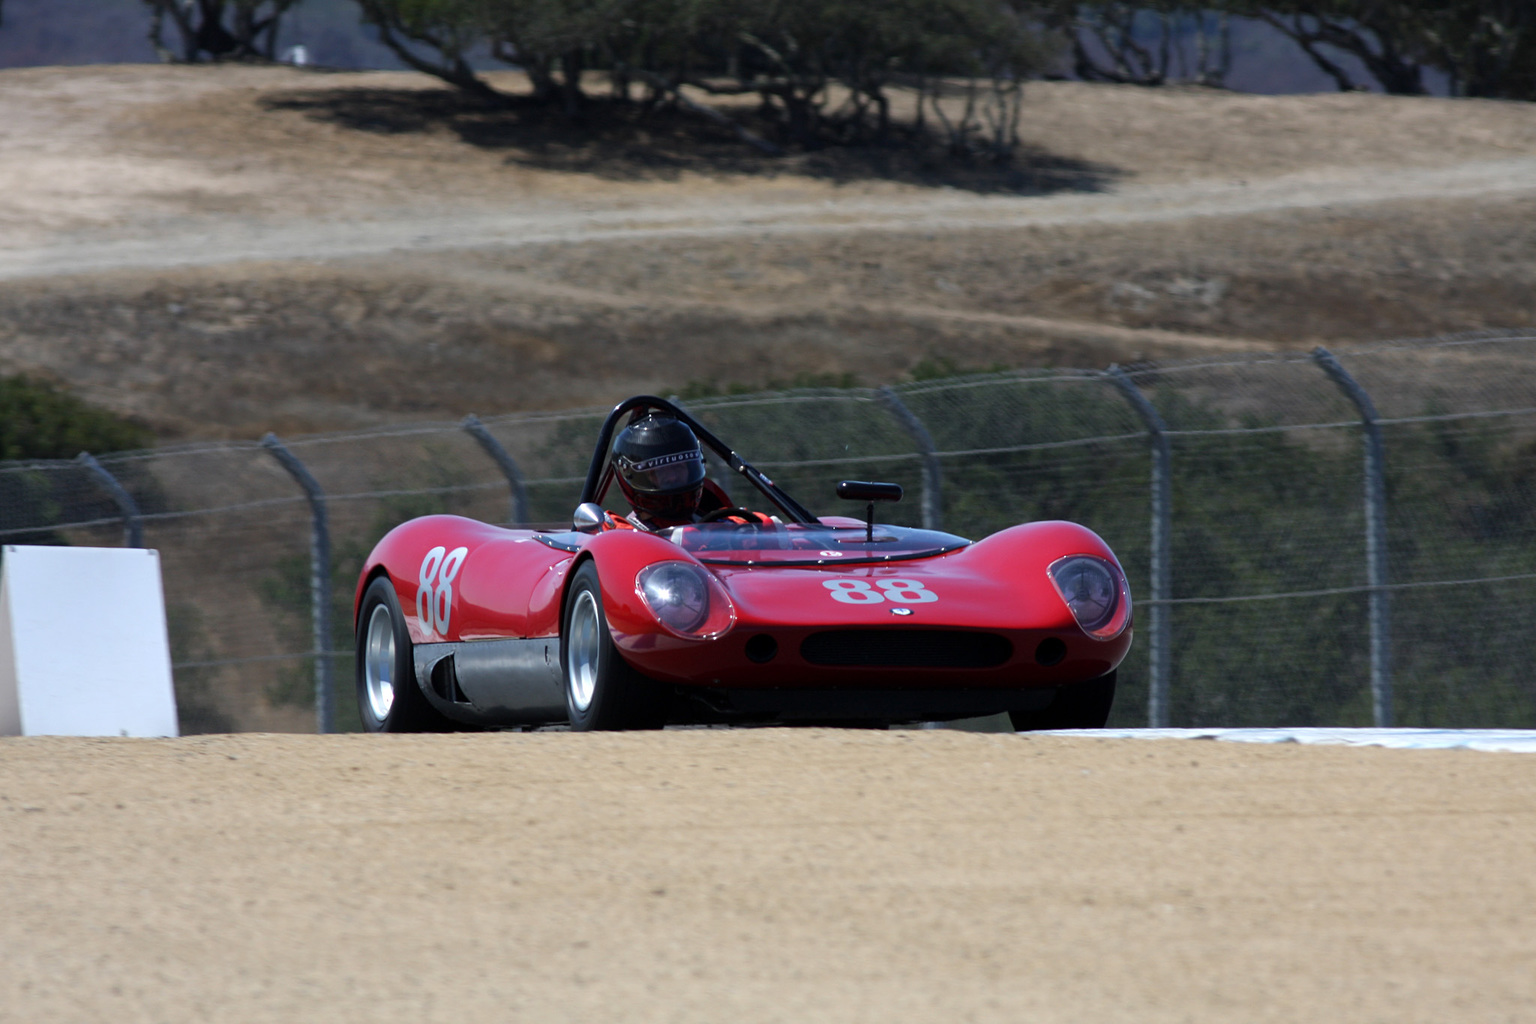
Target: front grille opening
{"type": "Point", "coordinates": [906, 648]}
{"type": "Point", "coordinates": [1051, 650]}
{"type": "Point", "coordinates": [762, 648]}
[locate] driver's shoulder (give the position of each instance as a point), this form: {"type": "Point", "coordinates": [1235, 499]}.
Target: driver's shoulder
{"type": "Point", "coordinates": [613, 521]}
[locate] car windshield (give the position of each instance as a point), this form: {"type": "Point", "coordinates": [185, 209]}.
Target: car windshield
{"type": "Point", "coordinates": [808, 543]}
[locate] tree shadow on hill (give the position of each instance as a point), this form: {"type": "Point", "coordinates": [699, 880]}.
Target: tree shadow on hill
{"type": "Point", "coordinates": [624, 142]}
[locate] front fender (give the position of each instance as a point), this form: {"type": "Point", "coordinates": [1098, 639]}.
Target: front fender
{"type": "Point", "coordinates": [1037, 545]}
{"type": "Point", "coordinates": [1024, 553]}
{"type": "Point", "coordinates": [619, 556]}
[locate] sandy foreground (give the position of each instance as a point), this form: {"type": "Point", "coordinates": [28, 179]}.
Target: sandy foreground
{"type": "Point", "coordinates": [762, 875]}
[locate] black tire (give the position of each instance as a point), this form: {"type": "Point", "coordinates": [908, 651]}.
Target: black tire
{"type": "Point", "coordinates": [602, 691]}
{"type": "Point", "coordinates": [403, 708]}
{"type": "Point", "coordinates": [1084, 705]}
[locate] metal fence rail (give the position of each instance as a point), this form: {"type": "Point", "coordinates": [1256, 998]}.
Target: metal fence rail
{"type": "Point", "coordinates": [1281, 578]}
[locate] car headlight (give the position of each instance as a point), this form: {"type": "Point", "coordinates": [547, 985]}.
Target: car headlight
{"type": "Point", "coordinates": [1095, 592]}
{"type": "Point", "coordinates": [685, 599]}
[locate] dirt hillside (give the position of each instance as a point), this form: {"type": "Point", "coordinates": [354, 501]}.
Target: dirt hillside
{"type": "Point", "coordinates": [226, 251]}
{"type": "Point", "coordinates": [762, 875]}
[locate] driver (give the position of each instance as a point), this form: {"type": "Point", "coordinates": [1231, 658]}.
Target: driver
{"type": "Point", "coordinates": [660, 469]}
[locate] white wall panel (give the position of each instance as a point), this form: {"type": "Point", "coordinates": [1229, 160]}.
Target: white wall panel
{"type": "Point", "coordinates": [83, 648]}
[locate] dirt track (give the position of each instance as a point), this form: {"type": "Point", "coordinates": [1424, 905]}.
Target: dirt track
{"type": "Point", "coordinates": [215, 241]}
{"type": "Point", "coordinates": [762, 876]}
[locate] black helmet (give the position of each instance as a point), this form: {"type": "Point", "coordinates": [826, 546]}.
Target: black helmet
{"type": "Point", "coordinates": [660, 468]}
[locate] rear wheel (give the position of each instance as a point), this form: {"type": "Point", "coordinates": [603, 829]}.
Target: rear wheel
{"type": "Point", "coordinates": [1082, 705]}
{"type": "Point", "coordinates": [388, 699]}
{"type": "Point", "coordinates": [601, 690]}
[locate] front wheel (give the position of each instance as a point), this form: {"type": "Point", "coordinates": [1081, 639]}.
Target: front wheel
{"type": "Point", "coordinates": [388, 699]}
{"type": "Point", "coordinates": [601, 690]}
{"type": "Point", "coordinates": [1082, 705]}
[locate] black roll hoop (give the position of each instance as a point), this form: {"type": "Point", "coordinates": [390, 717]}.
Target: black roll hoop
{"type": "Point", "coordinates": [600, 472]}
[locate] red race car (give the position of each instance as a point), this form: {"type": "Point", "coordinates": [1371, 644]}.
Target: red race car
{"type": "Point", "coordinates": [733, 615]}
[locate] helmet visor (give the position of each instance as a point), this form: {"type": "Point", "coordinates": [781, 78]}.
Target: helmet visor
{"type": "Point", "coordinates": [672, 473]}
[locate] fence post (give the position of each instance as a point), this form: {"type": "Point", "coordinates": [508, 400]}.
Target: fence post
{"type": "Point", "coordinates": [133, 525]}
{"type": "Point", "coordinates": [509, 468]}
{"type": "Point", "coordinates": [933, 481]}
{"type": "Point", "coordinates": [1375, 536]}
{"type": "Point", "coordinates": [1160, 655]}
{"type": "Point", "coordinates": [319, 580]}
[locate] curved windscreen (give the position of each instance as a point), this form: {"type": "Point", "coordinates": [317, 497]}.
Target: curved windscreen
{"type": "Point", "coordinates": [807, 543]}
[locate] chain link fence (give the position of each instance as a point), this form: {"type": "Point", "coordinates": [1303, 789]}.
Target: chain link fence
{"type": "Point", "coordinates": [1312, 539]}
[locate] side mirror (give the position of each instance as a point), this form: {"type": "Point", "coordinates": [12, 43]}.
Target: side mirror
{"type": "Point", "coordinates": [870, 491]}
{"type": "Point", "coordinates": [588, 518]}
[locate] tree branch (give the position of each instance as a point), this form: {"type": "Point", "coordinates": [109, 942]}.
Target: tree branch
{"type": "Point", "coordinates": [1307, 42]}
{"type": "Point", "coordinates": [457, 73]}
{"type": "Point", "coordinates": [660, 84]}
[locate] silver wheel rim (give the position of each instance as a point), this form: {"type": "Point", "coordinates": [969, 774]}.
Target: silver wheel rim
{"type": "Point", "coordinates": [379, 663]}
{"type": "Point", "coordinates": [582, 648]}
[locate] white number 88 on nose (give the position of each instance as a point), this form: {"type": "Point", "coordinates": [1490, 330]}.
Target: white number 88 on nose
{"type": "Point", "coordinates": [899, 591]}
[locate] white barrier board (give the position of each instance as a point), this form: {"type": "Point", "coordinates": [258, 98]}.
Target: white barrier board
{"type": "Point", "coordinates": [1512, 740]}
{"type": "Point", "coordinates": [83, 648]}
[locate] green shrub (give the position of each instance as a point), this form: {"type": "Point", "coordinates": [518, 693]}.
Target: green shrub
{"type": "Point", "coordinates": [40, 421]}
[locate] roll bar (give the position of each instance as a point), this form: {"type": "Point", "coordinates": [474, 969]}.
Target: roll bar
{"type": "Point", "coordinates": [600, 473]}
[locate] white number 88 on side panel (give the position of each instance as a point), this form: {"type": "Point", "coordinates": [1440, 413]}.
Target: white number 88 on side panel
{"type": "Point", "coordinates": [434, 591]}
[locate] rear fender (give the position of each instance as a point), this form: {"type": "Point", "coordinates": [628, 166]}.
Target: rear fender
{"type": "Point", "coordinates": [371, 572]}
{"type": "Point", "coordinates": [493, 570]}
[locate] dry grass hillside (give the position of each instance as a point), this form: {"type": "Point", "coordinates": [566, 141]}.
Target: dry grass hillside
{"type": "Point", "coordinates": [222, 251]}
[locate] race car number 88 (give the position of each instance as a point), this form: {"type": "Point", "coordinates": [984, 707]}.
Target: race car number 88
{"type": "Point", "coordinates": [899, 591]}
{"type": "Point", "coordinates": [434, 593]}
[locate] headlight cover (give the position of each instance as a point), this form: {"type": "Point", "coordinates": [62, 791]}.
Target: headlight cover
{"type": "Point", "coordinates": [1095, 591]}
{"type": "Point", "coordinates": [686, 600]}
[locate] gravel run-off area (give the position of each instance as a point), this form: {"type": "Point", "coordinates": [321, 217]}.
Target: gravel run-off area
{"type": "Point", "coordinates": [762, 875]}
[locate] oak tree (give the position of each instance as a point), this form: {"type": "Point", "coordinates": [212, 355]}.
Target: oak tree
{"type": "Point", "coordinates": [217, 29]}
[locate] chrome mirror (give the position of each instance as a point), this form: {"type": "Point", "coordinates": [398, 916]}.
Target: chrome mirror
{"type": "Point", "coordinates": [588, 517]}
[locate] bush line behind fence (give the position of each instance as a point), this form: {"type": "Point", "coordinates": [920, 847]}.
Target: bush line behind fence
{"type": "Point", "coordinates": [1311, 538]}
